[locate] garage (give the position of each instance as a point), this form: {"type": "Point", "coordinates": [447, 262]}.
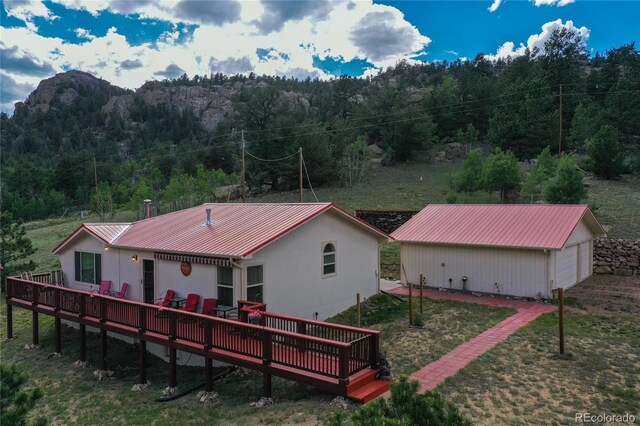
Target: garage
{"type": "Point", "coordinates": [514, 250]}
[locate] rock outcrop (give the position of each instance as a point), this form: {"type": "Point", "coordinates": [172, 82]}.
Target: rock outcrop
{"type": "Point", "coordinates": [386, 220]}
{"type": "Point", "coordinates": [618, 256]}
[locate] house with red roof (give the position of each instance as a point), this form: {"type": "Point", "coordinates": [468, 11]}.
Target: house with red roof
{"type": "Point", "coordinates": [307, 260]}
{"type": "Point", "coordinates": [517, 250]}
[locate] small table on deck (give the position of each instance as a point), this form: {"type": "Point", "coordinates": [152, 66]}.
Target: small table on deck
{"type": "Point", "coordinates": [177, 302]}
{"type": "Point", "coordinates": [226, 312]}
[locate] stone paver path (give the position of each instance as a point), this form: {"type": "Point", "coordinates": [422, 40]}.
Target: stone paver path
{"type": "Point", "coordinates": [435, 373]}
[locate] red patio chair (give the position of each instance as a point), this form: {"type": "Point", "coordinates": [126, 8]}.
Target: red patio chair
{"type": "Point", "coordinates": [123, 291]}
{"type": "Point", "coordinates": [192, 303]}
{"type": "Point", "coordinates": [209, 306]}
{"type": "Point", "coordinates": [166, 303]}
{"type": "Point", "coordinates": [105, 286]}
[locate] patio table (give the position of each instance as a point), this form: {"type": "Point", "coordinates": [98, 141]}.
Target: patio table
{"type": "Point", "coordinates": [177, 302]}
{"type": "Point", "coordinates": [226, 312]}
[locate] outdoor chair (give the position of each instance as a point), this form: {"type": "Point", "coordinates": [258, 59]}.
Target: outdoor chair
{"type": "Point", "coordinates": [209, 306]}
{"type": "Point", "coordinates": [166, 303]}
{"type": "Point", "coordinates": [123, 291]}
{"type": "Point", "coordinates": [192, 303]}
{"type": "Point", "coordinates": [105, 286]}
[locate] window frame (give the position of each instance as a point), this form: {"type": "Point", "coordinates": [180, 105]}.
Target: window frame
{"type": "Point", "coordinates": [224, 285]}
{"type": "Point", "coordinates": [323, 262]}
{"type": "Point", "coordinates": [79, 271]}
{"type": "Point", "coordinates": [262, 284]}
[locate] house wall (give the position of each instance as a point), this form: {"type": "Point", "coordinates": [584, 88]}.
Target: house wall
{"type": "Point", "coordinates": [518, 272]}
{"type": "Point", "coordinates": [575, 261]}
{"type": "Point", "coordinates": [294, 284]}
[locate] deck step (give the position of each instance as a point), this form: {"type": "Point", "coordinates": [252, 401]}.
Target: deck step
{"type": "Point", "coordinates": [369, 391]}
{"type": "Point", "coordinates": [361, 378]}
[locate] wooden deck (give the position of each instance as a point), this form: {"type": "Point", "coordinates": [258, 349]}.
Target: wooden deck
{"type": "Point", "coordinates": [331, 357]}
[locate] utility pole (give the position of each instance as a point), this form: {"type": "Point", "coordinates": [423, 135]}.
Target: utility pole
{"type": "Point", "coordinates": [300, 173]}
{"type": "Point", "coordinates": [560, 126]}
{"type": "Point", "coordinates": [95, 176]}
{"type": "Point", "coordinates": [244, 183]}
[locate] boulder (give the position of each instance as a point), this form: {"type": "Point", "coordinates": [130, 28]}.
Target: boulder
{"type": "Point", "coordinates": [602, 270]}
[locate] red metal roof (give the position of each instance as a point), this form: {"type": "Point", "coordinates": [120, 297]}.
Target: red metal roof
{"type": "Point", "coordinates": [237, 230]}
{"type": "Point", "coordinates": [106, 232]}
{"type": "Point", "coordinates": [505, 225]}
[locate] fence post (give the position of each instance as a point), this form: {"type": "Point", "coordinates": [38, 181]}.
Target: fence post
{"type": "Point", "coordinates": [561, 318]}
{"type": "Point", "coordinates": [374, 350]}
{"type": "Point", "coordinates": [103, 309]}
{"type": "Point", "coordinates": [421, 285]}
{"type": "Point", "coordinates": [9, 320]}
{"type": "Point", "coordinates": [358, 309]}
{"type": "Point", "coordinates": [57, 296]}
{"type": "Point", "coordinates": [410, 304]}
{"type": "Point", "coordinates": [266, 360]}
{"type": "Point", "coordinates": [83, 305]}
{"type": "Point", "coordinates": [36, 295]}
{"type": "Point", "coordinates": [301, 328]}
{"type": "Point", "coordinates": [343, 362]}
{"type": "Point", "coordinates": [142, 318]}
{"type": "Point", "coordinates": [172, 325]}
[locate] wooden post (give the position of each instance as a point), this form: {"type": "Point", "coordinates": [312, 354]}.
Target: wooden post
{"type": "Point", "coordinates": [358, 309]}
{"type": "Point", "coordinates": [343, 366]}
{"type": "Point", "coordinates": [172, 367]}
{"type": "Point", "coordinates": [208, 374]}
{"type": "Point", "coordinates": [58, 335]}
{"type": "Point", "coordinates": [302, 329]}
{"type": "Point", "coordinates": [83, 343]}
{"type": "Point", "coordinates": [9, 321]}
{"type": "Point", "coordinates": [410, 303]}
{"type": "Point", "coordinates": [103, 346]}
{"type": "Point", "coordinates": [143, 362]}
{"type": "Point", "coordinates": [266, 360]}
{"type": "Point", "coordinates": [374, 350]}
{"type": "Point", "coordinates": [421, 281]}
{"type": "Point", "coordinates": [266, 385]}
{"type": "Point", "coordinates": [142, 319]}
{"type": "Point", "coordinates": [300, 174]}
{"type": "Point", "coordinates": [561, 317]}
{"type": "Point", "coordinates": [36, 337]}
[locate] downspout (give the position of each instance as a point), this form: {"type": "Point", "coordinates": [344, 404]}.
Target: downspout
{"type": "Point", "coordinates": [239, 266]}
{"type": "Point", "coordinates": [379, 272]}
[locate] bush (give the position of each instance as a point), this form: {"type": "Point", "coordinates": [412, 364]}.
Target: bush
{"type": "Point", "coordinates": [16, 403]}
{"type": "Point", "coordinates": [406, 407]}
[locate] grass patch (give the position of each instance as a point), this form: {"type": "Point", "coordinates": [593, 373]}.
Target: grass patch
{"type": "Point", "coordinates": [599, 373]}
{"type": "Point", "coordinates": [446, 325]}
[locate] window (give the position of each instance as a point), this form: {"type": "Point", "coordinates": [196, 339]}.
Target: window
{"type": "Point", "coordinates": [88, 267]}
{"type": "Point", "coordinates": [329, 259]}
{"type": "Point", "coordinates": [225, 286]}
{"type": "Point", "coordinates": [255, 282]}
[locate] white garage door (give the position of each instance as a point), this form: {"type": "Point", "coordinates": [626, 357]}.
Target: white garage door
{"type": "Point", "coordinates": [566, 267]}
{"type": "Point", "coordinates": [585, 254]}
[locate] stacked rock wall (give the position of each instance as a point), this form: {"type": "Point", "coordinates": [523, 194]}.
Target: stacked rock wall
{"type": "Point", "coordinates": [617, 256]}
{"type": "Point", "coordinates": [386, 220]}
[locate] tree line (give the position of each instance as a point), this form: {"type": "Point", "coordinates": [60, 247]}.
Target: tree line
{"type": "Point", "coordinates": [555, 97]}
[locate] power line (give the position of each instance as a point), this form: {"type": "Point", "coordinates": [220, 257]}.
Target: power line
{"type": "Point", "coordinates": [309, 180]}
{"type": "Point", "coordinates": [270, 159]}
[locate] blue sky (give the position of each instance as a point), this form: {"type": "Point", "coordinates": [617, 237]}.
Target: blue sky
{"type": "Point", "coordinates": [130, 42]}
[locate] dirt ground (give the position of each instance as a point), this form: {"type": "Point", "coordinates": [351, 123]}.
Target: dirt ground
{"type": "Point", "coordinates": [606, 295]}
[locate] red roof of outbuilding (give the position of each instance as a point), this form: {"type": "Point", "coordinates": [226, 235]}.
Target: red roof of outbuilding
{"type": "Point", "coordinates": [543, 226]}
{"type": "Point", "coordinates": [236, 230]}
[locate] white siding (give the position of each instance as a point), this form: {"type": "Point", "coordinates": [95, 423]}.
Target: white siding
{"type": "Point", "coordinates": [518, 272]}
{"type": "Point", "coordinates": [293, 268]}
{"type": "Point", "coordinates": [580, 234]}
{"type": "Point", "coordinates": [585, 261]}
{"type": "Point", "coordinates": [567, 267]}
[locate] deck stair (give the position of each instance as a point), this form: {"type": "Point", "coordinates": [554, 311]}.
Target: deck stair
{"type": "Point", "coordinates": [364, 386]}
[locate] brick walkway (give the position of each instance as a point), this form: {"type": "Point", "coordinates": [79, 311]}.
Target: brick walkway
{"type": "Point", "coordinates": [435, 373]}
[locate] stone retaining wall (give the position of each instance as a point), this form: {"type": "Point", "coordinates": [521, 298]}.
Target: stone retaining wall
{"type": "Point", "coordinates": [386, 220]}
{"type": "Point", "coordinates": [616, 256]}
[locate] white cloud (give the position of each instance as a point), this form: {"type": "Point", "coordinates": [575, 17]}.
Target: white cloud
{"type": "Point", "coordinates": [343, 30]}
{"type": "Point", "coordinates": [558, 3]}
{"type": "Point", "coordinates": [452, 52]}
{"type": "Point", "coordinates": [84, 33]}
{"type": "Point", "coordinates": [495, 5]}
{"type": "Point", "coordinates": [536, 42]}
{"type": "Point", "coordinates": [26, 10]}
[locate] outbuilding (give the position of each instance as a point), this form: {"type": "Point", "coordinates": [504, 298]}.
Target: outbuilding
{"type": "Point", "coordinates": [517, 250]}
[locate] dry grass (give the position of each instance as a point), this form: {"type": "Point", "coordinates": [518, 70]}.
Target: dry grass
{"type": "Point", "coordinates": [523, 381]}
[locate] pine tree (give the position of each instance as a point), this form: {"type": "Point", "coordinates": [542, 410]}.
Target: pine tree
{"type": "Point", "coordinates": [15, 248]}
{"type": "Point", "coordinates": [539, 176]}
{"type": "Point", "coordinates": [606, 153]}
{"type": "Point", "coordinates": [15, 403]}
{"type": "Point", "coordinates": [470, 178]}
{"type": "Point", "coordinates": [501, 172]}
{"type": "Point", "coordinates": [567, 187]}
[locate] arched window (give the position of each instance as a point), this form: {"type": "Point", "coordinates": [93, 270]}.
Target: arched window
{"type": "Point", "coordinates": [329, 259]}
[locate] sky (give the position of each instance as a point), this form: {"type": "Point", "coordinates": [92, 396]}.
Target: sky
{"type": "Point", "coordinates": [128, 42]}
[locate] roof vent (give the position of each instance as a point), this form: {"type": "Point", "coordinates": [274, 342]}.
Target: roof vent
{"type": "Point", "coordinates": [208, 222]}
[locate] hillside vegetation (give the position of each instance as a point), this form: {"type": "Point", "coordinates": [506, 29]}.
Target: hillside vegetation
{"type": "Point", "coordinates": [79, 142]}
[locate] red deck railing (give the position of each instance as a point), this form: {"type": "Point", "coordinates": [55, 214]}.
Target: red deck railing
{"type": "Point", "coordinates": [326, 349]}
